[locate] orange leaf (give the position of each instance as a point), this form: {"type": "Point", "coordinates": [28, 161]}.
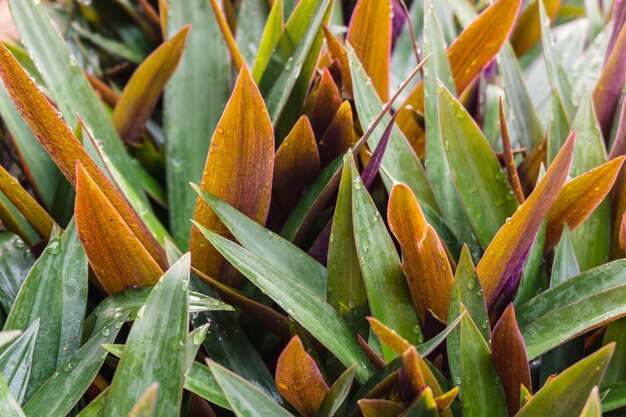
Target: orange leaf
{"type": "Point", "coordinates": [144, 88]}
{"type": "Point", "coordinates": [388, 336]}
{"type": "Point", "coordinates": [238, 170]}
{"type": "Point", "coordinates": [369, 33]}
{"type": "Point", "coordinates": [339, 52]}
{"type": "Point", "coordinates": [475, 47]}
{"type": "Point", "coordinates": [64, 148]}
{"type": "Point", "coordinates": [339, 135]}
{"type": "Point", "coordinates": [579, 198]}
{"type": "Point", "coordinates": [424, 259]}
{"type": "Point", "coordinates": [527, 31]}
{"type": "Point", "coordinates": [444, 401]}
{"type": "Point", "coordinates": [296, 165]}
{"type": "Point", "coordinates": [500, 268]}
{"type": "Point", "coordinates": [509, 355]}
{"type": "Point", "coordinates": [323, 103]}
{"type": "Point", "coordinates": [117, 257]}
{"type": "Point", "coordinates": [299, 380]}
{"type": "Point", "coordinates": [26, 204]}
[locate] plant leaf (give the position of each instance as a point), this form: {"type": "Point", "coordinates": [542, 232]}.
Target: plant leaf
{"type": "Point", "coordinates": [26, 204]}
{"type": "Point", "coordinates": [528, 27]}
{"type": "Point", "coordinates": [146, 405]}
{"type": "Point", "coordinates": [480, 385]}
{"type": "Point", "coordinates": [299, 380]}
{"type": "Point", "coordinates": [201, 382]}
{"type": "Point", "coordinates": [44, 296]}
{"type": "Point", "coordinates": [67, 85]}
{"type": "Point", "coordinates": [305, 306]}
{"type": "Point", "coordinates": [144, 88]}
{"type": "Point", "coordinates": [8, 405]}
{"type": "Point", "coordinates": [243, 145]}
{"type": "Point", "coordinates": [66, 386]}
{"type": "Point", "coordinates": [471, 51]}
{"type": "Point", "coordinates": [64, 148]}
{"type": "Point", "coordinates": [337, 394]}
{"type": "Point", "coordinates": [380, 408]}
{"type": "Point", "coordinates": [501, 266]}
{"type": "Point", "coordinates": [567, 394]}
{"type": "Point", "coordinates": [382, 273]}
{"type": "Point", "coordinates": [15, 263]}
{"type": "Point", "coordinates": [115, 253]}
{"type": "Point", "coordinates": [290, 53]}
{"type": "Point", "coordinates": [16, 361]}
{"type": "Point", "coordinates": [424, 261]}
{"type": "Point", "coordinates": [593, 407]}
{"type": "Point", "coordinates": [509, 356]}
{"type": "Point", "coordinates": [271, 33]}
{"type": "Point", "coordinates": [245, 399]}
{"type": "Point", "coordinates": [481, 184]}
{"type": "Point", "coordinates": [157, 336]}
{"type": "Point", "coordinates": [197, 93]}
{"type": "Point", "coordinates": [369, 33]}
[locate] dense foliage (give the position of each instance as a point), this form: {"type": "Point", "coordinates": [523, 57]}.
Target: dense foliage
{"type": "Point", "coordinates": [396, 209]}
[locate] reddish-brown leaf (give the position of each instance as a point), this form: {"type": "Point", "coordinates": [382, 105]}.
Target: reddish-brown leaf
{"type": "Point", "coordinates": [339, 135]}
{"type": "Point", "coordinates": [296, 165]}
{"type": "Point", "coordinates": [238, 170]}
{"type": "Point", "coordinates": [411, 381]}
{"type": "Point", "coordinates": [339, 52]}
{"type": "Point", "coordinates": [115, 254]}
{"type": "Point", "coordinates": [144, 88]}
{"type": "Point", "coordinates": [509, 355]}
{"type": "Point", "coordinates": [299, 380]}
{"type": "Point", "coordinates": [475, 47]}
{"type": "Point", "coordinates": [579, 198]}
{"type": "Point", "coordinates": [509, 160]}
{"type": "Point", "coordinates": [424, 259]}
{"type": "Point", "coordinates": [323, 103]}
{"type": "Point", "coordinates": [500, 268]}
{"type": "Point", "coordinates": [369, 33]}
{"type": "Point", "coordinates": [64, 148]}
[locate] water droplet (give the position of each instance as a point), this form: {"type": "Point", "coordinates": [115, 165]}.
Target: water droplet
{"type": "Point", "coordinates": [357, 183]}
{"type": "Point", "coordinates": [106, 331]}
{"type": "Point", "coordinates": [54, 247]}
{"type": "Point", "coordinates": [471, 282]}
{"type": "Point", "coordinates": [184, 285]}
{"type": "Point", "coordinates": [59, 115]}
{"type": "Point", "coordinates": [220, 130]}
{"type": "Point", "coordinates": [19, 243]}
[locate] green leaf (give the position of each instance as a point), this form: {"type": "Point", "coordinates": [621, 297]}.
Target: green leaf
{"type": "Point", "coordinates": [586, 301]}
{"type": "Point", "coordinates": [197, 94]}
{"type": "Point", "coordinates": [311, 312]}
{"type": "Point", "coordinates": [483, 187]}
{"type": "Point", "coordinates": [290, 53]}
{"type": "Point", "coordinates": [271, 33]}
{"type": "Point", "coordinates": [593, 407]}
{"type": "Point", "coordinates": [110, 45]}
{"type": "Point", "coordinates": [16, 361]}
{"type": "Point", "coordinates": [480, 385]}
{"type": "Point", "coordinates": [590, 239]}
{"type": "Point", "coordinates": [559, 126]}
{"type": "Point", "coordinates": [346, 290]}
{"type": "Point", "coordinates": [385, 283]}
{"type": "Point", "coordinates": [564, 267]}
{"type": "Point", "coordinates": [8, 406]}
{"type": "Point", "coordinates": [526, 121]}
{"type": "Point", "coordinates": [251, 21]}
{"type": "Point", "coordinates": [567, 394]}
{"type": "Point", "coordinates": [146, 405]}
{"type": "Point", "coordinates": [68, 86]}
{"type": "Point", "coordinates": [201, 382]}
{"type": "Point", "coordinates": [158, 336]}
{"type": "Point", "coordinates": [403, 58]}
{"type": "Point", "coordinates": [245, 399]}
{"type": "Point", "coordinates": [534, 277]}
{"type": "Point", "coordinates": [66, 386]}
{"type": "Point", "coordinates": [400, 161]}
{"type": "Point", "coordinates": [45, 175]}
{"type": "Point", "coordinates": [615, 396]}
{"type": "Point", "coordinates": [466, 291]}
{"type": "Point", "coordinates": [267, 245]}
{"type": "Point", "coordinates": [15, 262]}
{"type": "Point", "coordinates": [55, 291]}
{"type": "Point", "coordinates": [337, 394]}
{"type": "Point", "coordinates": [556, 73]}
{"type": "Point", "coordinates": [437, 166]}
